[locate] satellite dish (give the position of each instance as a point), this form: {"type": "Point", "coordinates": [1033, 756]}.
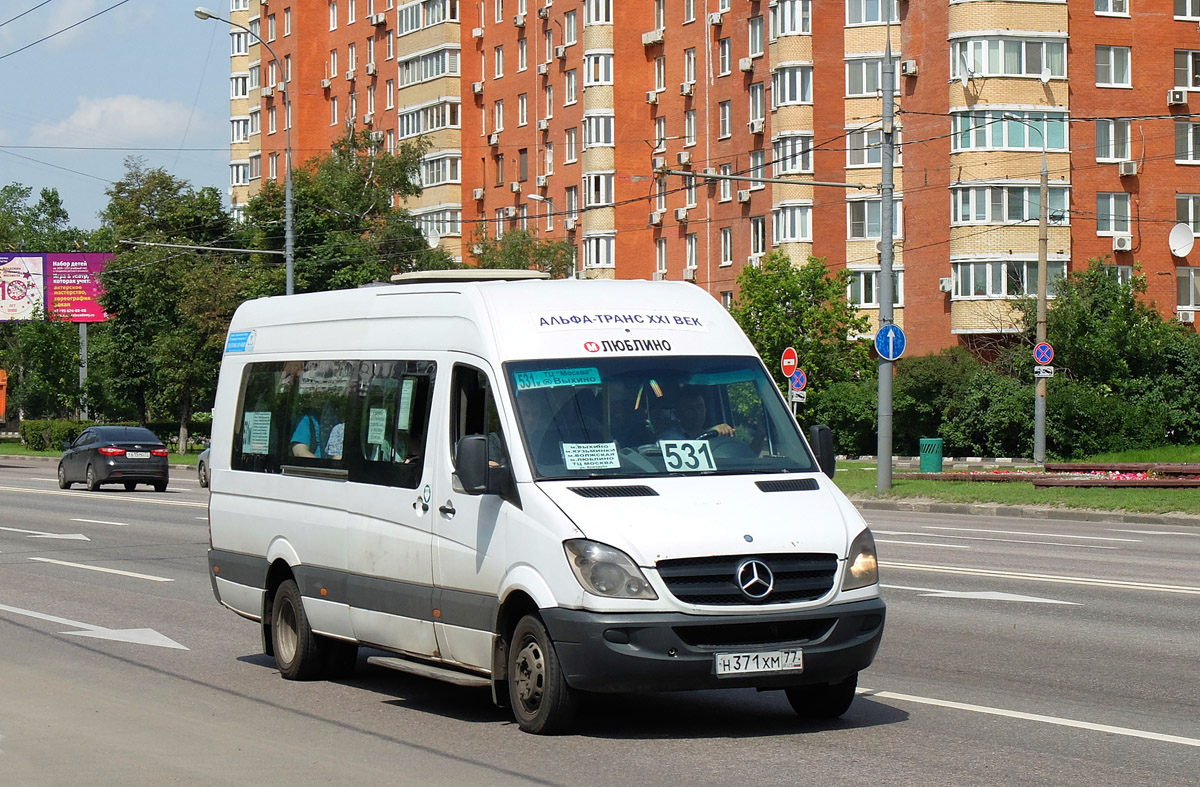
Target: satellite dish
{"type": "Point", "coordinates": [433, 238]}
{"type": "Point", "coordinates": [964, 71]}
{"type": "Point", "coordinates": [1046, 75]}
{"type": "Point", "coordinates": [1181, 240]}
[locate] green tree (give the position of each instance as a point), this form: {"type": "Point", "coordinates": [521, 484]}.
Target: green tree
{"type": "Point", "coordinates": [523, 250]}
{"type": "Point", "coordinates": [782, 304]}
{"type": "Point", "coordinates": [43, 226]}
{"type": "Point", "coordinates": [42, 358]}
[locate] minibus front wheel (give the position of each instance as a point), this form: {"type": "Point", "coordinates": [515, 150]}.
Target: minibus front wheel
{"type": "Point", "coordinates": [298, 652]}
{"type": "Point", "coordinates": [541, 700]}
{"type": "Point", "coordinates": [823, 700]}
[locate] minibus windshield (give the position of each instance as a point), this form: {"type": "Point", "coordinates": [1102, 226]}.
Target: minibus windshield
{"type": "Point", "coordinates": [625, 417]}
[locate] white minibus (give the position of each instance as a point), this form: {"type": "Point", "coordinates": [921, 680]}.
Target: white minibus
{"type": "Point", "coordinates": [545, 487]}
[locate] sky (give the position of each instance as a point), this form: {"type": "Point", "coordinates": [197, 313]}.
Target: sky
{"type": "Point", "coordinates": [145, 79]}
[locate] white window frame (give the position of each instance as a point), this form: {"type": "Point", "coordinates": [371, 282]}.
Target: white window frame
{"type": "Point", "coordinates": [1113, 58]}
{"type": "Point", "coordinates": [1113, 213]}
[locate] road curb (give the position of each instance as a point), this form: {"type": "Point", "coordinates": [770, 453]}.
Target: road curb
{"type": "Point", "coordinates": [1027, 512]}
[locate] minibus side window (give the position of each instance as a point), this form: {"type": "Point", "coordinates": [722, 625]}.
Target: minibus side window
{"type": "Point", "coordinates": [258, 429]}
{"type": "Point", "coordinates": [473, 411]}
{"type": "Point", "coordinates": [317, 417]}
{"type": "Point", "coordinates": [392, 422]}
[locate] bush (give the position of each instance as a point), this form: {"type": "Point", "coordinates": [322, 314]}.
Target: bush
{"type": "Point", "coordinates": [849, 410]}
{"type": "Point", "coordinates": [925, 388]}
{"type": "Point", "coordinates": [44, 435]}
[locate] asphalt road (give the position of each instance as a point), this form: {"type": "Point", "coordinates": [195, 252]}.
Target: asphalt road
{"type": "Point", "coordinates": [1016, 652]}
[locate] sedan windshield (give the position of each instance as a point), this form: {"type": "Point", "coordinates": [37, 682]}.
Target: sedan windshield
{"type": "Point", "coordinates": [626, 417]}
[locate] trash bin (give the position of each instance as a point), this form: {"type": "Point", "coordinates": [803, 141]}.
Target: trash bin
{"type": "Point", "coordinates": [931, 454]}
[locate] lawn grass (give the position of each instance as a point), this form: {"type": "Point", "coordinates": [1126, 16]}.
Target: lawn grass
{"type": "Point", "coordinates": [1164, 454]}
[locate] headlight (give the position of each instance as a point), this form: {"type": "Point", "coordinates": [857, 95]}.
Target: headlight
{"type": "Point", "coordinates": [605, 571]}
{"type": "Point", "coordinates": [862, 568]}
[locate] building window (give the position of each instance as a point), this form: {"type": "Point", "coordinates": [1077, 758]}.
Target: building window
{"type": "Point", "coordinates": [498, 115]}
{"type": "Point", "coordinates": [693, 251]}
{"type": "Point", "coordinates": [791, 18]}
{"type": "Point", "coordinates": [333, 16]}
{"type": "Point", "coordinates": [523, 109]}
{"type": "Point", "coordinates": [1006, 204]}
{"type": "Point", "coordinates": [1112, 67]}
{"type": "Point", "coordinates": [599, 251]}
{"type": "Point", "coordinates": [1008, 57]}
{"type": "Point", "coordinates": [726, 188]}
{"type": "Point", "coordinates": [522, 55]}
{"type": "Point", "coordinates": [333, 111]}
{"type": "Point", "coordinates": [287, 21]}
{"type": "Point", "coordinates": [1187, 9]}
{"type": "Point", "coordinates": [1187, 68]}
{"type": "Point", "coordinates": [689, 127]}
{"type": "Point", "coordinates": [865, 219]}
{"type": "Point", "coordinates": [758, 108]}
{"type": "Point", "coordinates": [570, 145]}
{"type": "Point", "coordinates": [756, 36]}
{"type": "Point", "coordinates": [791, 85]}
{"type": "Point", "coordinates": [599, 12]}
{"type": "Point", "coordinates": [689, 11]}
{"type": "Point", "coordinates": [871, 12]}
{"type": "Point", "coordinates": [865, 77]}
{"type": "Point", "coordinates": [239, 174]}
{"type": "Point", "coordinates": [660, 73]}
{"type": "Point", "coordinates": [1188, 283]}
{"type": "Point", "coordinates": [660, 134]}
{"type": "Point", "coordinates": [238, 43]}
{"type": "Point", "coordinates": [239, 86]}
{"type": "Point", "coordinates": [727, 299]}
{"type": "Point", "coordinates": [863, 289]}
{"type": "Point", "coordinates": [724, 57]}
{"type": "Point", "coordinates": [994, 279]}
{"type": "Point", "coordinates": [572, 82]}
{"type": "Point", "coordinates": [1187, 211]}
{"type": "Point", "coordinates": [660, 258]}
{"type": "Point", "coordinates": [598, 68]}
{"type": "Point", "coordinates": [598, 131]}
{"type": "Point", "coordinates": [725, 119]}
{"type": "Point", "coordinates": [240, 130]}
{"type": "Point", "coordinates": [792, 224]}
{"type": "Point", "coordinates": [549, 101]}
{"type": "Point", "coordinates": [499, 61]}
{"type": "Point", "coordinates": [1112, 140]}
{"type": "Point", "coordinates": [689, 191]}
{"type": "Point", "coordinates": [1112, 213]}
{"type": "Point", "coordinates": [726, 246]}
{"type": "Point", "coordinates": [1187, 142]}
{"type": "Point", "coordinates": [569, 28]}
{"type": "Point", "coordinates": [598, 188]}
{"type": "Point", "coordinates": [758, 236]}
{"type": "Point", "coordinates": [992, 131]}
{"type": "Point", "coordinates": [1114, 7]}
{"type": "Point", "coordinates": [793, 154]}
{"type": "Point", "coordinates": [689, 65]}
{"type": "Point", "coordinates": [441, 170]}
{"type": "Point", "coordinates": [758, 168]}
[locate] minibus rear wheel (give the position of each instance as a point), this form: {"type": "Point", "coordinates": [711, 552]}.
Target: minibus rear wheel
{"type": "Point", "coordinates": [823, 700]}
{"type": "Point", "coordinates": [298, 652]}
{"type": "Point", "coordinates": [541, 700]}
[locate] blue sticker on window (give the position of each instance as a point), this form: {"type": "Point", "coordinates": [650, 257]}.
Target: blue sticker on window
{"type": "Point", "coordinates": [240, 342]}
{"type": "Point", "coordinates": [553, 378]}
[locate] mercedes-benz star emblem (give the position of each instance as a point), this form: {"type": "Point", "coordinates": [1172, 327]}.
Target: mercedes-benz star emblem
{"type": "Point", "coordinates": [755, 579]}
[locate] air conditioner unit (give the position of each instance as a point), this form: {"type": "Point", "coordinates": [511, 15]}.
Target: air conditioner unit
{"type": "Point", "coordinates": [945, 284]}
{"type": "Point", "coordinates": [689, 274]}
{"type": "Point", "coordinates": [659, 276]}
{"type": "Point", "coordinates": [511, 211]}
{"type": "Point", "coordinates": [708, 172]}
{"type": "Point", "coordinates": [377, 136]}
{"type": "Point", "coordinates": [378, 19]}
{"type": "Point", "coordinates": [543, 69]}
{"type": "Point", "coordinates": [653, 37]}
{"type": "Point", "coordinates": [368, 118]}
{"type": "Point", "coordinates": [685, 88]}
{"type": "Point", "coordinates": [753, 260]}
{"type": "Point", "coordinates": [746, 64]}
{"type": "Point", "coordinates": [267, 91]}
{"type": "Point", "coordinates": [659, 162]}
{"type": "Point", "coordinates": [544, 13]}
{"type": "Point", "coordinates": [1176, 98]}
{"type": "Point", "coordinates": [568, 224]}
{"type": "Point", "coordinates": [1187, 317]}
{"type": "Point", "coordinates": [519, 20]}
{"type": "Point", "coordinates": [543, 181]}
{"type": "Point", "coordinates": [515, 187]}
{"type": "Point", "coordinates": [1127, 169]}
{"type": "Point", "coordinates": [908, 68]}
{"type": "Point", "coordinates": [350, 75]}
{"type": "Point", "coordinates": [743, 195]}
{"type": "Point", "coordinates": [476, 32]}
{"type": "Point", "coordinates": [477, 193]}
{"type": "Point", "coordinates": [477, 88]}
{"type": "Point", "coordinates": [560, 51]}
{"type": "Point", "coordinates": [684, 157]}
{"type": "Point", "coordinates": [757, 125]}
{"type": "Point", "coordinates": [326, 82]}
{"type": "Point", "coordinates": [543, 125]}
{"type": "Point", "coordinates": [651, 96]}
{"type": "Point", "coordinates": [1122, 242]}
{"type": "Point", "coordinates": [494, 138]}
{"type": "Point", "coordinates": [716, 18]}
{"type": "Point", "coordinates": [681, 214]}
{"type": "Point", "coordinates": [656, 218]}
{"type": "Point", "coordinates": [371, 69]}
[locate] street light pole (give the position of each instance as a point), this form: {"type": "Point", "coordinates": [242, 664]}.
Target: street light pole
{"type": "Point", "coordinates": [289, 237]}
{"type": "Point", "coordinates": [883, 475]}
{"type": "Point", "coordinates": [1039, 401]}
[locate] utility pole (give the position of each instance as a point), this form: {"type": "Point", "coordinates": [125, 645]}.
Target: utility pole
{"type": "Point", "coordinates": [886, 287]}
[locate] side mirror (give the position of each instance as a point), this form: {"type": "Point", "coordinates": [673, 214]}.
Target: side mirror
{"type": "Point", "coordinates": [820, 437]}
{"type": "Point", "coordinates": [475, 472]}
{"type": "Point", "coordinates": [66, 444]}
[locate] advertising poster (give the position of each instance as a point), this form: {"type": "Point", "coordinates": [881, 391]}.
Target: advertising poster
{"type": "Point", "coordinates": [73, 286]}
{"type": "Point", "coordinates": [21, 287]}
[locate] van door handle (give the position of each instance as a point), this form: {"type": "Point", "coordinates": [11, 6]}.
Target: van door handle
{"type": "Point", "coordinates": [420, 505]}
{"type": "Point", "coordinates": [447, 510]}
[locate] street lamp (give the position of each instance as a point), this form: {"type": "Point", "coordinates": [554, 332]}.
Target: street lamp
{"type": "Point", "coordinates": [1039, 402]}
{"type": "Point", "coordinates": [289, 238]}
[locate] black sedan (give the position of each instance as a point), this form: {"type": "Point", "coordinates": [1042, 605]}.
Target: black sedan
{"type": "Point", "coordinates": [128, 455]}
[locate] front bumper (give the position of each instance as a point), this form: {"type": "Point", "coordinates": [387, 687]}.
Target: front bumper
{"type": "Point", "coordinates": [673, 652]}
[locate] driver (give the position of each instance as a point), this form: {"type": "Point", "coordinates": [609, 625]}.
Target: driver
{"type": "Point", "coordinates": [691, 418]}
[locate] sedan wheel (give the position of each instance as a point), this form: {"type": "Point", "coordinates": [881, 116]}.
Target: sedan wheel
{"type": "Point", "coordinates": [92, 482]}
{"type": "Point", "coordinates": [203, 475]}
{"type": "Point", "coordinates": [63, 483]}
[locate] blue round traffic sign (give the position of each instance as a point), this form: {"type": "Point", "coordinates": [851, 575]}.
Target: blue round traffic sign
{"type": "Point", "coordinates": [799, 380]}
{"type": "Point", "coordinates": [1043, 353]}
{"type": "Point", "coordinates": [890, 341]}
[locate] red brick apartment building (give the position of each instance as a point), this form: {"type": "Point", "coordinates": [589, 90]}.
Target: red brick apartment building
{"type": "Point", "coordinates": [623, 126]}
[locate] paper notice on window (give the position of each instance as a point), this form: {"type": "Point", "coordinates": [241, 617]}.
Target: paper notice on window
{"type": "Point", "coordinates": [555, 378]}
{"type": "Point", "coordinates": [590, 456]}
{"type": "Point", "coordinates": [376, 425]}
{"type": "Point", "coordinates": [404, 410]}
{"type": "Point", "coordinates": [256, 432]}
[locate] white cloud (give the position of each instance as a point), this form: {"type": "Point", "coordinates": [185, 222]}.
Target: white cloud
{"type": "Point", "coordinates": [119, 121]}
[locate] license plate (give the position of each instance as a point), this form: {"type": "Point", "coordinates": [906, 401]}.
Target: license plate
{"type": "Point", "coordinates": [138, 454]}
{"type": "Point", "coordinates": [760, 661]}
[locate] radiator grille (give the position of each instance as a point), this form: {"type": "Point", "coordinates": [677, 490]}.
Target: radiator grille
{"type": "Point", "coordinates": [713, 580]}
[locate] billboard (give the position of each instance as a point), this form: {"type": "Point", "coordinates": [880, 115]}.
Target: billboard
{"type": "Point", "coordinates": [65, 286]}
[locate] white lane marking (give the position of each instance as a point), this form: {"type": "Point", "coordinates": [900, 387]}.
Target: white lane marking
{"type": "Point", "coordinates": [103, 496]}
{"type": "Point", "coordinates": [137, 636]}
{"type": "Point", "coordinates": [40, 534]}
{"type": "Point", "coordinates": [1090, 581]}
{"type": "Point", "coordinates": [1015, 714]}
{"type": "Point", "coordinates": [202, 518]}
{"type": "Point", "coordinates": [150, 577]}
{"type": "Point", "coordinates": [39, 478]}
{"type": "Point", "coordinates": [980, 595]}
{"type": "Point", "coordinates": [996, 540]}
{"type": "Point", "coordinates": [1157, 532]}
{"type": "Point", "coordinates": [1025, 533]}
{"type": "Point", "coordinates": [101, 522]}
{"type": "Point", "coordinates": [919, 543]}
